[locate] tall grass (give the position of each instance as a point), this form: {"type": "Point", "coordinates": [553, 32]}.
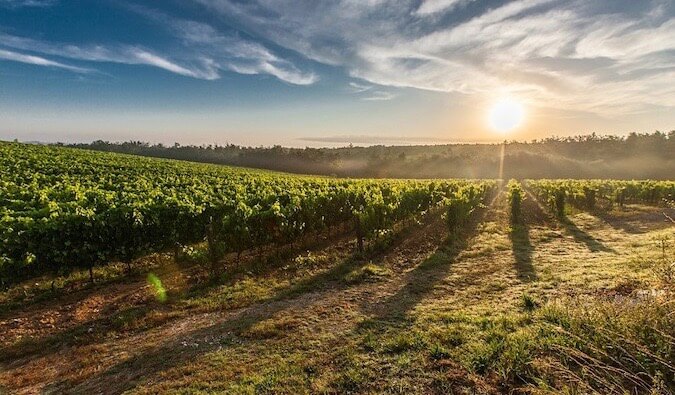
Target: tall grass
{"type": "Point", "coordinates": [584, 346]}
{"type": "Point", "coordinates": [611, 347]}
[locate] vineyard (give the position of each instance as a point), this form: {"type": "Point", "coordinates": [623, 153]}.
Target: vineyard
{"type": "Point", "coordinates": [125, 274]}
{"type": "Point", "coordinates": [62, 209]}
{"type": "Point", "coordinates": [601, 194]}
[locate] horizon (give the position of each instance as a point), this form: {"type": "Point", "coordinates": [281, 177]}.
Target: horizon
{"type": "Point", "coordinates": [299, 74]}
{"type": "Point", "coordinates": [344, 142]}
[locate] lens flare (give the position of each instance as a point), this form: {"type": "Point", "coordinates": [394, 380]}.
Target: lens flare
{"type": "Point", "coordinates": [157, 287]}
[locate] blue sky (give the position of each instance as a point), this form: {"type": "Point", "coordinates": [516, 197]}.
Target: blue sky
{"type": "Point", "coordinates": [330, 72]}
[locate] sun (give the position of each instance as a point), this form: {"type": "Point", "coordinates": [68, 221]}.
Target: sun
{"type": "Point", "coordinates": [506, 114]}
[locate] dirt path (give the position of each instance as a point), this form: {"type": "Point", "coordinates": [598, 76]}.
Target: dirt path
{"type": "Point", "coordinates": [70, 365]}
{"type": "Point", "coordinates": [330, 310]}
{"type": "Point", "coordinates": [322, 317]}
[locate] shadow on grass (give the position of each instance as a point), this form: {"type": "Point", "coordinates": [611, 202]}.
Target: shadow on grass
{"type": "Point", "coordinates": [390, 329]}
{"type": "Point", "coordinates": [127, 374]}
{"type": "Point", "coordinates": [78, 286]}
{"type": "Point", "coordinates": [126, 320]}
{"type": "Point", "coordinates": [75, 289]}
{"type": "Point", "coordinates": [87, 332]}
{"type": "Point", "coordinates": [580, 236]}
{"type": "Point", "coordinates": [174, 352]}
{"type": "Point", "coordinates": [254, 264]}
{"type": "Point", "coordinates": [522, 251]}
{"type": "Point", "coordinates": [424, 277]}
{"type": "Point", "coordinates": [618, 222]}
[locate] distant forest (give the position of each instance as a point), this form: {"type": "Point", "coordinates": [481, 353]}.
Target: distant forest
{"type": "Point", "coordinates": [636, 156]}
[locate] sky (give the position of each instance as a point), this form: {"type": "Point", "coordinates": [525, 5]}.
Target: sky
{"type": "Point", "coordinates": [328, 73]}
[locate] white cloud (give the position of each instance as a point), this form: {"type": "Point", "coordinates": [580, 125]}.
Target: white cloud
{"type": "Point", "coordinates": [26, 3]}
{"type": "Point", "coordinates": [39, 61]}
{"type": "Point", "coordinates": [228, 52]}
{"type": "Point", "coordinates": [379, 96]}
{"type": "Point", "coordinates": [370, 92]}
{"type": "Point", "coordinates": [434, 6]}
{"type": "Point", "coordinates": [204, 54]}
{"type": "Point", "coordinates": [148, 58]}
{"type": "Point", "coordinates": [606, 57]}
{"type": "Point", "coordinates": [124, 54]}
{"type": "Point", "coordinates": [356, 87]}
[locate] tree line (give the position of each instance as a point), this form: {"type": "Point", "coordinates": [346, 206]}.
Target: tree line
{"type": "Point", "coordinates": [637, 155]}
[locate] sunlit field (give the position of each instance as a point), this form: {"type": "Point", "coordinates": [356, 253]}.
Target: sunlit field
{"type": "Point", "coordinates": [131, 274]}
{"type": "Point", "coordinates": [337, 197]}
{"type": "Point", "coordinates": [200, 278]}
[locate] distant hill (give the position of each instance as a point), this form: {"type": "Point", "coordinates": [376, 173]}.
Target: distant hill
{"type": "Point", "coordinates": [588, 156]}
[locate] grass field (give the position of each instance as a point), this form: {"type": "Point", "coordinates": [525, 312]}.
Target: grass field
{"type": "Point", "coordinates": [579, 305]}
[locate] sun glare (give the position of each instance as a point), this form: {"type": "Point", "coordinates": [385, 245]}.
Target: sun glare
{"type": "Point", "coordinates": [506, 114]}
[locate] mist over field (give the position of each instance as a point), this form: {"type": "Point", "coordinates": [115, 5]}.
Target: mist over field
{"type": "Point", "coordinates": [638, 156]}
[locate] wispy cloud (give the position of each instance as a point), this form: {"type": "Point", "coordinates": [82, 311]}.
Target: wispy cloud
{"type": "Point", "coordinates": [203, 54]}
{"type": "Point", "coordinates": [27, 3]}
{"type": "Point", "coordinates": [356, 87]}
{"type": "Point", "coordinates": [435, 6]}
{"type": "Point", "coordinates": [370, 92]}
{"type": "Point", "coordinates": [604, 57]}
{"type": "Point", "coordinates": [39, 61]}
{"type": "Point", "coordinates": [227, 51]}
{"type": "Point", "coordinates": [379, 96]}
{"type": "Point", "coordinates": [144, 57]}
{"type": "Point", "coordinates": [125, 54]}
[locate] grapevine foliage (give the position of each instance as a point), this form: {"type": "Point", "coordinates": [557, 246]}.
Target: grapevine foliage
{"type": "Point", "coordinates": [587, 194]}
{"type": "Point", "coordinates": [63, 208]}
